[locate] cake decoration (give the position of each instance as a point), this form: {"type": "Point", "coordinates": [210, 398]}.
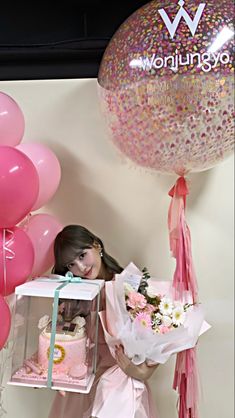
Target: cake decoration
{"type": "Point", "coordinates": [70, 339]}
{"type": "Point", "coordinates": [59, 354]}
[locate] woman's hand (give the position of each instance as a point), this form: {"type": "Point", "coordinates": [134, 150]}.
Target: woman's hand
{"type": "Point", "coordinates": [140, 372]}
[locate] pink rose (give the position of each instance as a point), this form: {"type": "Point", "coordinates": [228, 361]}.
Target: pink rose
{"type": "Point", "coordinates": [163, 329]}
{"type": "Point", "coordinates": [136, 300]}
{"type": "Point", "coordinates": [149, 308]}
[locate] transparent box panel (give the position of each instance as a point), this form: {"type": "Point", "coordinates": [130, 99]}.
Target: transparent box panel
{"type": "Point", "coordinates": [75, 348]}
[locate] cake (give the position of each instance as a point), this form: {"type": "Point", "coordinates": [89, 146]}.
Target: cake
{"type": "Point", "coordinates": [69, 348]}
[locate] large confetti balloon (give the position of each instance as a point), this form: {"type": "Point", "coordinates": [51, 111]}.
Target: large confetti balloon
{"type": "Point", "coordinates": [166, 85]}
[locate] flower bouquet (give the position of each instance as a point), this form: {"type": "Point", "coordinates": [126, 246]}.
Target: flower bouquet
{"type": "Point", "coordinates": [143, 316]}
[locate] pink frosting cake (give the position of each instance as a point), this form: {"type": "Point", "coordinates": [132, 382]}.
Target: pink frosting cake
{"type": "Point", "coordinates": [69, 350]}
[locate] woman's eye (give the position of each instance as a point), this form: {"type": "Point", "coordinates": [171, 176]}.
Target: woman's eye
{"type": "Point", "coordinates": [81, 256]}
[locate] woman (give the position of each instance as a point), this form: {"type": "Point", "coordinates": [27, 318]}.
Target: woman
{"type": "Point", "coordinates": [78, 250]}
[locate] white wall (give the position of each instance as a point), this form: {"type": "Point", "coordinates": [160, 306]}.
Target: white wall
{"type": "Point", "coordinates": [127, 207]}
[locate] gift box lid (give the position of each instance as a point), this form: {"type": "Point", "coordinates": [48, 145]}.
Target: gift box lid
{"type": "Point", "coordinates": [45, 287]}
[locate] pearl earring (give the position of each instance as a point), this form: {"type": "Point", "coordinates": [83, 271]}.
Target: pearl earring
{"type": "Point", "coordinates": [101, 253]}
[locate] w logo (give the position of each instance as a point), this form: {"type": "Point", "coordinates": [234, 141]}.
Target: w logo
{"type": "Point", "coordinates": [192, 23]}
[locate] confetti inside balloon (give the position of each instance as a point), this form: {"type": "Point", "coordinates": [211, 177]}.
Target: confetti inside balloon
{"type": "Point", "coordinates": [166, 85]}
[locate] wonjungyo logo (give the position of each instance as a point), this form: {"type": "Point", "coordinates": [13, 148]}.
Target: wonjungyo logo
{"type": "Point", "coordinates": [192, 23]}
{"type": "Point", "coordinates": [206, 61]}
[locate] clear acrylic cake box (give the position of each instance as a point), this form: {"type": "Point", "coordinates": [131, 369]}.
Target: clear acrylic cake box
{"type": "Point", "coordinates": [68, 364]}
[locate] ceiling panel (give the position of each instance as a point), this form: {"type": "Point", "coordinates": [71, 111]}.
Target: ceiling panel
{"type": "Point", "coordinates": [45, 40]}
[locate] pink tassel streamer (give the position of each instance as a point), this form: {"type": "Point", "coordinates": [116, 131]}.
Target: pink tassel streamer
{"type": "Point", "coordinates": [184, 280]}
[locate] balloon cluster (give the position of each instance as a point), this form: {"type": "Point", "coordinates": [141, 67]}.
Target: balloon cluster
{"type": "Point", "coordinates": [29, 176]}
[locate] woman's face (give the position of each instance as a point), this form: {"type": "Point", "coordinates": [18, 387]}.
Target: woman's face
{"type": "Point", "coordinates": [87, 264]}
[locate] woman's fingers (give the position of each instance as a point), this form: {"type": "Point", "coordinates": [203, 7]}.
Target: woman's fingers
{"type": "Point", "coordinates": [119, 353]}
{"type": "Point", "coordinates": [122, 360]}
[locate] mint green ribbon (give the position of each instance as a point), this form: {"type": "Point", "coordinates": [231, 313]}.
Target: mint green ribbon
{"type": "Point", "coordinates": [69, 278]}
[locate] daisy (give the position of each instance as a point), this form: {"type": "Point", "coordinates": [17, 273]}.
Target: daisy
{"type": "Point", "coordinates": [144, 319]}
{"type": "Point", "coordinates": [166, 306]}
{"type": "Point", "coordinates": [178, 316]}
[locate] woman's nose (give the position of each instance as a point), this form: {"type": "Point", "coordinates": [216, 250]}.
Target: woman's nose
{"type": "Point", "coordinates": [80, 266]}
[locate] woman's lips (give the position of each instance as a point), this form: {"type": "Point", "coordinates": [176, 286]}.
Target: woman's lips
{"type": "Point", "coordinates": [88, 273]}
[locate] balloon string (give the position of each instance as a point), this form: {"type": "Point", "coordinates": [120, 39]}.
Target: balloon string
{"type": "Point", "coordinates": [25, 223]}
{"type": "Point", "coordinates": [8, 254]}
{"type": "Point", "coordinates": [6, 243]}
{"type": "Point", "coordinates": [5, 355]}
{"type": "Point", "coordinates": [2, 368]}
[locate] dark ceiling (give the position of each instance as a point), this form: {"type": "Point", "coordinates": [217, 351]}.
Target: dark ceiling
{"type": "Point", "coordinates": [67, 40]}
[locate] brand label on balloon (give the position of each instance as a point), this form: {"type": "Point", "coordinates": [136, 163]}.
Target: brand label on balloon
{"type": "Point", "coordinates": [192, 23]}
{"type": "Point", "coordinates": [166, 85]}
{"type": "Point", "coordinates": [205, 61]}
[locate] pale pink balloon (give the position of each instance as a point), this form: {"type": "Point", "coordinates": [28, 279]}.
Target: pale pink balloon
{"type": "Point", "coordinates": [16, 259]}
{"type": "Point", "coordinates": [5, 315]}
{"type": "Point", "coordinates": [11, 121]}
{"type": "Point", "coordinates": [42, 230]}
{"type": "Point", "coordinates": [19, 185]}
{"type": "Point", "coordinates": [48, 169]}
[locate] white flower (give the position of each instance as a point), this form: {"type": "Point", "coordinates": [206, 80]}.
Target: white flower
{"type": "Point", "coordinates": [151, 292]}
{"type": "Point", "coordinates": [166, 320]}
{"type": "Point", "coordinates": [79, 320]}
{"type": "Point", "coordinates": [127, 288]}
{"type": "Point", "coordinates": [166, 306]}
{"type": "Point", "coordinates": [178, 316]}
{"type": "Point", "coordinates": [43, 321]}
{"type": "Point", "coordinates": [178, 304]}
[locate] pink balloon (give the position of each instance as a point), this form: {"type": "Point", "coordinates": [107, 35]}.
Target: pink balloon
{"type": "Point", "coordinates": [16, 259]}
{"type": "Point", "coordinates": [48, 169]}
{"type": "Point", "coordinates": [5, 315]}
{"type": "Point", "coordinates": [19, 185]}
{"type": "Point", "coordinates": [42, 230]}
{"type": "Point", "coordinates": [11, 121]}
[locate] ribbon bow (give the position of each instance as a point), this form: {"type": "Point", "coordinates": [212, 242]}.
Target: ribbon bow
{"type": "Point", "coordinates": [180, 189]}
{"type": "Point", "coordinates": [69, 278]}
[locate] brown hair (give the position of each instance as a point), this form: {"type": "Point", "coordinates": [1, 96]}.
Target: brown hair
{"type": "Point", "coordinates": [69, 243]}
